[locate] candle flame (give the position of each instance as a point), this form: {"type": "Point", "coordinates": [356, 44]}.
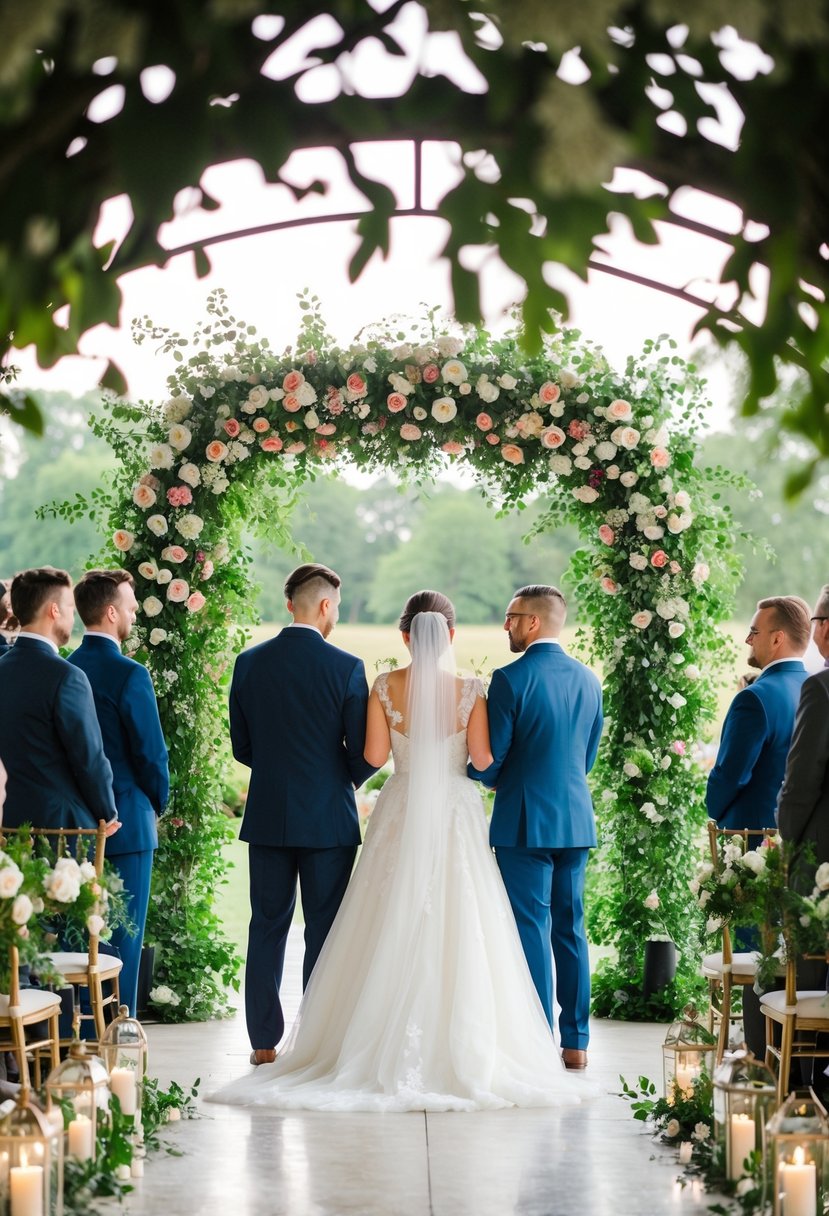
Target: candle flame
{"type": "Point", "coordinates": [799, 1155]}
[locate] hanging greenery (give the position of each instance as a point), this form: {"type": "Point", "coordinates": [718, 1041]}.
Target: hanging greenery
{"type": "Point", "coordinates": [611, 452]}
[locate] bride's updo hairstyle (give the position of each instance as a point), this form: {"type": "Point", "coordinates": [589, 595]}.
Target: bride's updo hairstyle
{"type": "Point", "coordinates": [426, 601]}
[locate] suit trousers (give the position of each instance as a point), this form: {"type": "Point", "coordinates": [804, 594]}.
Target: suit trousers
{"type": "Point", "coordinates": [546, 890]}
{"type": "Point", "coordinates": [323, 876]}
{"type": "Point", "coordinates": [136, 870]}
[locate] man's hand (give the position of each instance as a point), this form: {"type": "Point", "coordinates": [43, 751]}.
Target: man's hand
{"type": "Point", "coordinates": [112, 827]}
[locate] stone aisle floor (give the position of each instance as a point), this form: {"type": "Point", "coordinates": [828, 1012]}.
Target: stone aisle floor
{"type": "Point", "coordinates": [593, 1160]}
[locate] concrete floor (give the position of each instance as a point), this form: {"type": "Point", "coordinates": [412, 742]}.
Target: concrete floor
{"type": "Point", "coordinates": [593, 1160]}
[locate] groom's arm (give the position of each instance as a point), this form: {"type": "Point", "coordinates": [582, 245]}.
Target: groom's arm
{"type": "Point", "coordinates": [501, 712]}
{"type": "Point", "coordinates": [239, 732]}
{"type": "Point", "coordinates": [355, 710]}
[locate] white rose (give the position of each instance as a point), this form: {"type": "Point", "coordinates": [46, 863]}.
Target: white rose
{"type": "Point", "coordinates": [95, 924]}
{"type": "Point", "coordinates": [179, 437]}
{"type": "Point", "coordinates": [612, 471]}
{"type": "Point", "coordinates": [401, 384]}
{"type": "Point", "coordinates": [306, 394]}
{"type": "Point", "coordinates": [190, 526]}
{"type": "Point", "coordinates": [487, 391]}
{"type": "Point", "coordinates": [178, 408]}
{"type": "Point", "coordinates": [10, 879]}
{"type": "Point", "coordinates": [666, 609]}
{"type": "Point", "coordinates": [419, 413]}
{"type": "Point", "coordinates": [152, 606]}
{"type": "Point", "coordinates": [754, 861]}
{"type": "Point", "coordinates": [631, 770]}
{"type": "Point", "coordinates": [465, 389]}
{"type": "Point", "coordinates": [447, 347]}
{"type": "Point", "coordinates": [162, 995]}
{"type": "Point", "coordinates": [639, 504]}
{"type": "Point", "coordinates": [158, 636]}
{"type": "Point", "coordinates": [311, 420]}
{"type": "Point", "coordinates": [641, 620]}
{"type": "Point", "coordinates": [444, 409]}
{"type": "Point", "coordinates": [625, 437]}
{"type": "Point", "coordinates": [190, 474]}
{"type": "Point", "coordinates": [258, 396]}
{"type": "Point", "coordinates": [454, 372]}
{"type": "Point", "coordinates": [88, 871]}
{"type": "Point", "coordinates": [22, 909]}
{"type": "Point", "coordinates": [638, 561]}
{"type": "Point", "coordinates": [651, 901]}
{"type": "Point", "coordinates": [653, 532]}
{"type": "Point", "coordinates": [682, 499]}
{"type": "Point", "coordinates": [561, 464]}
{"type": "Point", "coordinates": [157, 524]}
{"type": "Point", "coordinates": [161, 456]}
{"type": "Point", "coordinates": [678, 523]}
{"type": "Point", "coordinates": [507, 381]}
{"type": "Point", "coordinates": [163, 576]}
{"type": "Point", "coordinates": [63, 885]}
{"type": "Point", "coordinates": [585, 494]}
{"type": "Point", "coordinates": [567, 378]}
{"type": "Point", "coordinates": [692, 672]}
{"type": "Point", "coordinates": [605, 450]}
{"type": "Point", "coordinates": [629, 479]}
{"type": "Point", "coordinates": [677, 700]}
{"type": "Point", "coordinates": [675, 629]}
{"type": "Point", "coordinates": [822, 876]}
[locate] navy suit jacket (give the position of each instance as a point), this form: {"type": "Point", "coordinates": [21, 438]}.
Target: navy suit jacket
{"type": "Point", "coordinates": [298, 720]}
{"type": "Point", "coordinates": [128, 715]}
{"type": "Point", "coordinates": [751, 762]}
{"type": "Point", "coordinates": [545, 722]}
{"type": "Point", "coordinates": [50, 742]}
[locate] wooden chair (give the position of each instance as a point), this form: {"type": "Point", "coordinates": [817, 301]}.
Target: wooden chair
{"type": "Point", "coordinates": [802, 1014]}
{"type": "Point", "coordinates": [723, 969]}
{"type": "Point", "coordinates": [82, 968]}
{"type": "Point", "coordinates": [24, 1007]}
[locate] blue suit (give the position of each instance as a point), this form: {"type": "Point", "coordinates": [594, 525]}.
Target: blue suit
{"type": "Point", "coordinates": [545, 722]}
{"type": "Point", "coordinates": [128, 715]}
{"type": "Point", "coordinates": [50, 742]}
{"type": "Point", "coordinates": [751, 762]}
{"type": "Point", "coordinates": [298, 720]}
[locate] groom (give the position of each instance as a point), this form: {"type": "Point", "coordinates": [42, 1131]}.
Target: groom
{"type": "Point", "coordinates": [545, 720]}
{"type": "Point", "coordinates": [298, 720]}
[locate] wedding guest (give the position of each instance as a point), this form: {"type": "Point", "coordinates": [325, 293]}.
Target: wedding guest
{"type": "Point", "coordinates": [134, 745]}
{"type": "Point", "coordinates": [50, 740]}
{"type": "Point", "coordinates": [7, 620]}
{"type": "Point", "coordinates": [298, 720]}
{"type": "Point", "coordinates": [545, 722]}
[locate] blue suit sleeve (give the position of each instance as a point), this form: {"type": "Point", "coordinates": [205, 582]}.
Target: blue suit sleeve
{"type": "Point", "coordinates": [595, 737]}
{"type": "Point", "coordinates": [355, 710]}
{"type": "Point", "coordinates": [139, 713]}
{"type": "Point", "coordinates": [239, 730]}
{"type": "Point", "coordinates": [500, 707]}
{"type": "Point", "coordinates": [80, 733]}
{"type": "Point", "coordinates": [743, 735]}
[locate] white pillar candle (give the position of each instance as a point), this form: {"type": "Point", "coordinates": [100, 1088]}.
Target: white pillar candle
{"type": "Point", "coordinates": [741, 1144]}
{"type": "Point", "coordinates": [122, 1084]}
{"type": "Point", "coordinates": [137, 1167]}
{"type": "Point", "coordinates": [685, 1076]}
{"type": "Point", "coordinates": [798, 1186]}
{"type": "Point", "coordinates": [686, 1150]}
{"type": "Point", "coordinates": [81, 1143]}
{"type": "Point", "coordinates": [26, 1190]}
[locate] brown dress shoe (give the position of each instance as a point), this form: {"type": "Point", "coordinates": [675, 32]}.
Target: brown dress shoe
{"type": "Point", "coordinates": [262, 1055]}
{"type": "Point", "coordinates": [574, 1058]}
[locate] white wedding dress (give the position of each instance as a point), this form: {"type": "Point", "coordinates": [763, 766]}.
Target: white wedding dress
{"type": "Point", "coordinates": [421, 998]}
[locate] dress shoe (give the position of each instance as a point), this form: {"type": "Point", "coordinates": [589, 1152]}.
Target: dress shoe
{"type": "Point", "coordinates": [574, 1057]}
{"type": "Point", "coordinates": [262, 1055]}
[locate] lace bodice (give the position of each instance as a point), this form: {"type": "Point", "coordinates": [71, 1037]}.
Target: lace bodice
{"type": "Point", "coordinates": [471, 690]}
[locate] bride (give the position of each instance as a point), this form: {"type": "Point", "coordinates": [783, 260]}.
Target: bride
{"type": "Point", "coordinates": [421, 998]}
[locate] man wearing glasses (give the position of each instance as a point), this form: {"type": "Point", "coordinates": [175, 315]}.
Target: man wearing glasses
{"type": "Point", "coordinates": [545, 721]}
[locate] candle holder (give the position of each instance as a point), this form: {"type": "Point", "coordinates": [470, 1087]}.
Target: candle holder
{"type": "Point", "coordinates": [79, 1087]}
{"type": "Point", "coordinates": [797, 1156]}
{"type": "Point", "coordinates": [31, 1160]}
{"type": "Point", "coordinates": [688, 1050]}
{"type": "Point", "coordinates": [744, 1099]}
{"type": "Point", "coordinates": [124, 1051]}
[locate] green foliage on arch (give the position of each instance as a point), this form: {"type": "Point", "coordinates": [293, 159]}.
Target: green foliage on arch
{"type": "Point", "coordinates": [611, 452]}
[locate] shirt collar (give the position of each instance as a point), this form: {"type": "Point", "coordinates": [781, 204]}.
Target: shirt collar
{"type": "Point", "coordinates": [38, 637]}
{"type": "Point", "coordinates": [776, 663]}
{"type": "Point", "coordinates": [543, 641]}
{"type": "Point", "coordinates": [302, 625]}
{"type": "Point", "coordinates": [97, 633]}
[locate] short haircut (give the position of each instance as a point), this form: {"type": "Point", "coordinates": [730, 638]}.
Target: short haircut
{"type": "Point", "coordinates": [791, 614]}
{"type": "Point", "coordinates": [822, 606]}
{"type": "Point", "coordinates": [426, 601]}
{"type": "Point", "coordinates": [31, 589]}
{"type": "Point", "coordinates": [97, 590]}
{"type": "Point", "coordinates": [311, 581]}
{"type": "Point", "coordinates": [546, 600]}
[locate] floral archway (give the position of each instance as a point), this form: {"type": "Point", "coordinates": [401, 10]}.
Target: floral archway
{"type": "Point", "coordinates": [611, 452]}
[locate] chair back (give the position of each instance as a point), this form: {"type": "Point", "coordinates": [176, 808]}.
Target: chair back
{"type": "Point", "coordinates": [747, 838]}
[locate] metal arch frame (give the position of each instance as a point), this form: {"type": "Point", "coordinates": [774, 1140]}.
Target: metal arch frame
{"type": "Point", "coordinates": [418, 210]}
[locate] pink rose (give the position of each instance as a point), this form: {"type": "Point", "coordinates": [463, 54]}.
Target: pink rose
{"type": "Point", "coordinates": [493, 438]}
{"type": "Point", "coordinates": [232, 427]}
{"type": "Point", "coordinates": [609, 586]}
{"type": "Point", "coordinates": [483, 422]}
{"type": "Point", "coordinates": [179, 496]}
{"type": "Point", "coordinates": [327, 428]}
{"type": "Point", "coordinates": [578, 428]}
{"type": "Point", "coordinates": [409, 431]}
{"type": "Point", "coordinates": [678, 747]}
{"type": "Point", "coordinates": [291, 426]}
{"type": "Point", "coordinates": [395, 402]}
{"type": "Point", "coordinates": [292, 381]}
{"type": "Point", "coordinates": [143, 496]}
{"type": "Point", "coordinates": [272, 444]}
{"type": "Point", "coordinates": [356, 385]}
{"type": "Point", "coordinates": [149, 480]}
{"type": "Point", "coordinates": [659, 559]}
{"type": "Point", "coordinates": [512, 453]}
{"type": "Point", "coordinates": [196, 602]}
{"type": "Point", "coordinates": [335, 402]}
{"type": "Point", "coordinates": [260, 425]}
{"type": "Point", "coordinates": [293, 449]}
{"type": "Point", "coordinates": [606, 534]}
{"type": "Point", "coordinates": [123, 540]}
{"type": "Point", "coordinates": [430, 373]}
{"type": "Point", "coordinates": [675, 568]}
{"type": "Point", "coordinates": [291, 403]}
{"type": "Point", "coordinates": [174, 553]}
{"type": "Point", "coordinates": [177, 591]}
{"type": "Point", "coordinates": [206, 570]}
{"type": "Point", "coordinates": [660, 458]}
{"type": "Point", "coordinates": [452, 447]}
{"type": "Point", "coordinates": [549, 393]}
{"type": "Point", "coordinates": [370, 428]}
{"type": "Point", "coordinates": [216, 450]}
{"type": "Point", "coordinates": [619, 411]}
{"type": "Point", "coordinates": [553, 437]}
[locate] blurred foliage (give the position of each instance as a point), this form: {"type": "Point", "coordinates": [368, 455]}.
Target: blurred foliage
{"type": "Point", "coordinates": [543, 99]}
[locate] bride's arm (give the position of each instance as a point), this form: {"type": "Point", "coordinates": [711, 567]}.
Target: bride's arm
{"type": "Point", "coordinates": [477, 735]}
{"type": "Point", "coordinates": [378, 740]}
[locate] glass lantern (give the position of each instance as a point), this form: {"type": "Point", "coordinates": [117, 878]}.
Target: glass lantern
{"type": "Point", "coordinates": [31, 1160]}
{"type": "Point", "coordinates": [797, 1156]}
{"type": "Point", "coordinates": [689, 1048]}
{"type": "Point", "coordinates": [744, 1098]}
{"type": "Point", "coordinates": [79, 1087]}
{"type": "Point", "coordinates": [124, 1050]}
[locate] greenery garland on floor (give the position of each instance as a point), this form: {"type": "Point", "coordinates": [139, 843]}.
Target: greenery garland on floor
{"type": "Point", "coordinates": [611, 452]}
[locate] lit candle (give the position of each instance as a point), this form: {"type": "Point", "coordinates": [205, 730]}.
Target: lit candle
{"type": "Point", "coordinates": [80, 1138]}
{"type": "Point", "coordinates": [741, 1144]}
{"type": "Point", "coordinates": [798, 1185]}
{"type": "Point", "coordinates": [122, 1084]}
{"type": "Point", "coordinates": [26, 1187]}
{"type": "Point", "coordinates": [685, 1076]}
{"type": "Point", "coordinates": [137, 1168]}
{"type": "Point", "coordinates": [686, 1150]}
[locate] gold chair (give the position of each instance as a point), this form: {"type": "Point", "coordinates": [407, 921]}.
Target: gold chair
{"type": "Point", "coordinates": [802, 1014]}
{"type": "Point", "coordinates": [723, 969]}
{"type": "Point", "coordinates": [24, 1007]}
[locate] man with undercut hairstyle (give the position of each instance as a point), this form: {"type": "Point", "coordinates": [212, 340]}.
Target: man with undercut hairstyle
{"type": "Point", "coordinates": [298, 721]}
{"type": "Point", "coordinates": [545, 722]}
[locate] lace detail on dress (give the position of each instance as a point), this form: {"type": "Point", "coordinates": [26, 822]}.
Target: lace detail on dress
{"type": "Point", "coordinates": [382, 685]}
{"type": "Point", "coordinates": [472, 689]}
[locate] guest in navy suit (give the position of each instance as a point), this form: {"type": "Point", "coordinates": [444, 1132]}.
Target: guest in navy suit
{"type": "Point", "coordinates": [545, 722]}
{"type": "Point", "coordinates": [298, 720]}
{"type": "Point", "coordinates": [128, 715]}
{"type": "Point", "coordinates": [50, 739]}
